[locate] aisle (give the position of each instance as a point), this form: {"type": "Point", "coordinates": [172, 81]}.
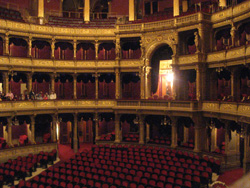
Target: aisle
{"type": "Point", "coordinates": [229, 177]}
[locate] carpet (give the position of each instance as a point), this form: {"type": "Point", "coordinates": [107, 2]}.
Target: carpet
{"type": "Point", "coordinates": [229, 177]}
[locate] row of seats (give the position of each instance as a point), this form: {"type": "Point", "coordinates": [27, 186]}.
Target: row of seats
{"type": "Point", "coordinates": [22, 167]}
{"type": "Point", "coordinates": [108, 137]}
{"type": "Point", "coordinates": [131, 137]}
{"type": "Point", "coordinates": [126, 166]}
{"type": "Point", "coordinates": [160, 140]}
{"type": "Point", "coordinates": [10, 15]}
{"type": "Point", "coordinates": [77, 22]}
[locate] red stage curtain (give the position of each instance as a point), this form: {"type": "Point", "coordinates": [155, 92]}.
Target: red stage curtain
{"type": "Point", "coordinates": [56, 53]}
{"type": "Point", "coordinates": [18, 130]}
{"type": "Point", "coordinates": [111, 90]}
{"type": "Point", "coordinates": [44, 87]}
{"type": "Point", "coordinates": [102, 127]}
{"type": "Point", "coordinates": [15, 87]}
{"type": "Point", "coordinates": [79, 90]}
{"type": "Point", "coordinates": [45, 53]}
{"type": "Point", "coordinates": [69, 54]}
{"type": "Point", "coordinates": [136, 53]}
{"type": "Point", "coordinates": [68, 90]}
{"type": "Point", "coordinates": [110, 126]}
{"type": "Point", "coordinates": [136, 88]}
{"type": "Point", "coordinates": [90, 90]}
{"type": "Point", "coordinates": [18, 51]}
{"type": "Point", "coordinates": [125, 128]}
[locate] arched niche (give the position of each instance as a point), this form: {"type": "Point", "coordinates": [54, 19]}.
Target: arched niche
{"type": "Point", "coordinates": [161, 73]}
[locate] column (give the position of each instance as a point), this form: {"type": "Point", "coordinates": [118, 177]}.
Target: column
{"type": "Point", "coordinates": [147, 82]}
{"type": "Point", "coordinates": [176, 7]}
{"type": "Point", "coordinates": [201, 35]}
{"type": "Point", "coordinates": [213, 139]}
{"type": "Point", "coordinates": [5, 82]}
{"type": "Point", "coordinates": [6, 45]}
{"type": "Point", "coordinates": [9, 130]}
{"type": "Point", "coordinates": [96, 85]}
{"type": "Point", "coordinates": [117, 128]}
{"type": "Point", "coordinates": [174, 135]}
{"type": "Point", "coordinates": [29, 81]}
{"type": "Point", "coordinates": [96, 49]}
{"type": "Point", "coordinates": [75, 132]}
{"type": "Point", "coordinates": [184, 5]}
{"type": "Point", "coordinates": [186, 134]}
{"type": "Point", "coordinates": [29, 46]}
{"type": "Point", "coordinates": [131, 10]}
{"type": "Point", "coordinates": [86, 10]}
{"type": "Point", "coordinates": [235, 85]}
{"type": "Point", "coordinates": [74, 86]}
{"type": "Point", "coordinates": [141, 128]}
{"type": "Point", "coordinates": [53, 127]}
{"type": "Point", "coordinates": [142, 79]}
{"type": "Point", "coordinates": [96, 120]}
{"type": "Point", "coordinates": [40, 13]}
{"type": "Point", "coordinates": [198, 82]}
{"type": "Point", "coordinates": [53, 48]}
{"type": "Point", "coordinates": [147, 132]}
{"type": "Point", "coordinates": [74, 45]}
{"type": "Point", "coordinates": [32, 126]}
{"type": "Point", "coordinates": [222, 3]}
{"type": "Point", "coordinates": [117, 83]}
{"type": "Point", "coordinates": [117, 49]}
{"type": "Point", "coordinates": [199, 133]}
{"type": "Point", "coordinates": [52, 82]}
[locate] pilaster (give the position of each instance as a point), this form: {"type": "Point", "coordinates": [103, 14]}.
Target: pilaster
{"type": "Point", "coordinates": [142, 78]}
{"type": "Point", "coordinates": [96, 120]}
{"type": "Point", "coordinates": [9, 130]}
{"type": "Point", "coordinates": [5, 82]}
{"type": "Point", "coordinates": [131, 10]}
{"type": "Point", "coordinates": [147, 82]}
{"type": "Point", "coordinates": [147, 132]}
{"type": "Point", "coordinates": [74, 48]}
{"type": "Point", "coordinates": [74, 86]}
{"type": "Point", "coordinates": [53, 127]}
{"type": "Point", "coordinates": [29, 46]}
{"type": "Point", "coordinates": [141, 128]}
{"type": "Point", "coordinates": [40, 13]}
{"type": "Point", "coordinates": [75, 132]}
{"type": "Point", "coordinates": [29, 81]}
{"type": "Point", "coordinates": [117, 128]}
{"type": "Point", "coordinates": [52, 82]}
{"type": "Point", "coordinates": [53, 48]}
{"type": "Point", "coordinates": [174, 135]}
{"type": "Point", "coordinates": [176, 7]}
{"type": "Point", "coordinates": [96, 49]}
{"type": "Point", "coordinates": [32, 125]}
{"type": "Point", "coordinates": [199, 133]}
{"type": "Point", "coordinates": [117, 83]}
{"type": "Point", "coordinates": [6, 41]}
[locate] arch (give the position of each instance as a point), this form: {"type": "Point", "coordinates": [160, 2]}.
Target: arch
{"type": "Point", "coordinates": [155, 46]}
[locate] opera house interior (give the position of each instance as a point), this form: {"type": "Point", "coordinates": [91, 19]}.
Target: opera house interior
{"type": "Point", "coordinates": [124, 93]}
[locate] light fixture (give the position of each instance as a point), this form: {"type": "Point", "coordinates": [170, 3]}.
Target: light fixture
{"type": "Point", "coordinates": [15, 122]}
{"type": "Point", "coordinates": [165, 121]}
{"type": "Point", "coordinates": [136, 120]}
{"type": "Point", "coordinates": [170, 77]}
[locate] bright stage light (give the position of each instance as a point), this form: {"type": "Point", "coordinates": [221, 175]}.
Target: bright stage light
{"type": "Point", "coordinates": [170, 77]}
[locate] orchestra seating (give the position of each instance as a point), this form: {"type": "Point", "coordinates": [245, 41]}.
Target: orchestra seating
{"type": "Point", "coordinates": [9, 14]}
{"type": "Point", "coordinates": [131, 137]}
{"type": "Point", "coordinates": [21, 167]}
{"type": "Point", "coordinates": [128, 166]}
{"type": "Point", "coordinates": [160, 140]}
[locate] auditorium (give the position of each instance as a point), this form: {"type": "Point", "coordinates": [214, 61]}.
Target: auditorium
{"type": "Point", "coordinates": [124, 93]}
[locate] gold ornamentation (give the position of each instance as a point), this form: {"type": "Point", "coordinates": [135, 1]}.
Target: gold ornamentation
{"type": "Point", "coordinates": [133, 63]}
{"type": "Point", "coordinates": [43, 63]}
{"type": "Point", "coordinates": [45, 103]}
{"type": "Point", "coordinates": [24, 105]}
{"type": "Point", "coordinates": [65, 63]}
{"type": "Point", "coordinates": [86, 103]}
{"type": "Point", "coordinates": [85, 63]}
{"type": "Point", "coordinates": [106, 103]}
{"type": "Point", "coordinates": [65, 103]}
{"type": "Point", "coordinates": [106, 63]}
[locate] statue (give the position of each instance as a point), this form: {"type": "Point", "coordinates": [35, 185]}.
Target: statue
{"type": "Point", "coordinates": [197, 41]}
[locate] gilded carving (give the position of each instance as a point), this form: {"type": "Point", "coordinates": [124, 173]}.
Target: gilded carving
{"type": "Point", "coordinates": [65, 63]}
{"type": "Point", "coordinates": [233, 53]}
{"type": "Point", "coordinates": [43, 63]}
{"type": "Point", "coordinates": [85, 63]}
{"type": "Point", "coordinates": [131, 63]}
{"type": "Point", "coordinates": [188, 59]}
{"type": "Point", "coordinates": [106, 103]}
{"type": "Point", "coordinates": [20, 61]}
{"type": "Point", "coordinates": [45, 103]}
{"type": "Point", "coordinates": [216, 56]}
{"type": "Point", "coordinates": [106, 63]}
{"type": "Point", "coordinates": [86, 103]}
{"type": "Point", "coordinates": [65, 103]}
{"type": "Point", "coordinates": [24, 105]}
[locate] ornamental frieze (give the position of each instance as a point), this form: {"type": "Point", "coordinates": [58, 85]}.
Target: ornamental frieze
{"type": "Point", "coordinates": [65, 63]}
{"type": "Point", "coordinates": [85, 63]}
{"type": "Point", "coordinates": [234, 53]}
{"type": "Point", "coordinates": [86, 103]}
{"type": "Point", "coordinates": [106, 63]}
{"type": "Point", "coordinates": [43, 62]}
{"type": "Point", "coordinates": [216, 56]}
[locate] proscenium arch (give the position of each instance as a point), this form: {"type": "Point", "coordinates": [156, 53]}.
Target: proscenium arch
{"type": "Point", "coordinates": [152, 49]}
